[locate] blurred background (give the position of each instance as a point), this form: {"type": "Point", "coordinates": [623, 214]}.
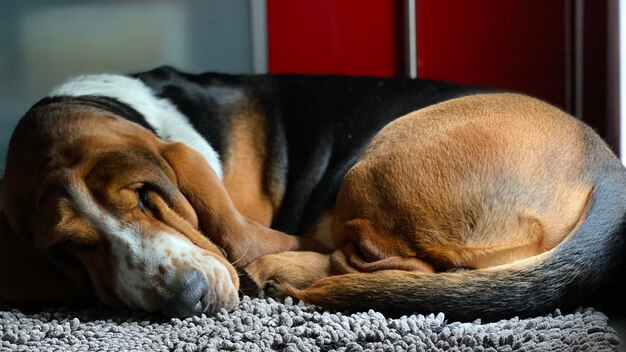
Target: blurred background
{"type": "Point", "coordinates": [564, 51]}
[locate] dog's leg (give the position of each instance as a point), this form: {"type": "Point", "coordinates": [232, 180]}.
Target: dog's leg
{"type": "Point", "coordinates": [366, 249]}
{"type": "Point", "coordinates": [362, 250]}
{"type": "Point", "coordinates": [279, 274]}
{"type": "Point", "coordinates": [276, 273]}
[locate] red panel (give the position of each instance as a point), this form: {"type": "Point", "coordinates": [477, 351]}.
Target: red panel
{"type": "Point", "coordinates": [512, 44]}
{"type": "Point", "coordinates": [357, 37]}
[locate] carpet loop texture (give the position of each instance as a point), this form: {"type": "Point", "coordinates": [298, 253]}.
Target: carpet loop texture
{"type": "Point", "coordinates": [267, 325]}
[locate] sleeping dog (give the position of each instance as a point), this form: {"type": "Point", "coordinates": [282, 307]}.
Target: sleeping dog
{"type": "Point", "coordinates": [150, 191]}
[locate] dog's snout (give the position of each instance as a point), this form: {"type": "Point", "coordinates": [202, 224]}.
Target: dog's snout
{"type": "Point", "coordinates": [191, 297]}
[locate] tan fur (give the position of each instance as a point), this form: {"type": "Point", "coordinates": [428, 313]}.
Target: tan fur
{"type": "Point", "coordinates": [471, 183]}
{"type": "Point", "coordinates": [245, 167]}
{"type": "Point", "coordinates": [299, 269]}
{"type": "Point", "coordinates": [320, 231]}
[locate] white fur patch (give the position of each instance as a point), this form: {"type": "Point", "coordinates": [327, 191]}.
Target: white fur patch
{"type": "Point", "coordinates": [153, 261]}
{"type": "Point", "coordinates": [160, 113]}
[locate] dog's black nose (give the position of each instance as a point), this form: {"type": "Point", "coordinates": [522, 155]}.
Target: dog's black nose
{"type": "Point", "coordinates": [192, 297]}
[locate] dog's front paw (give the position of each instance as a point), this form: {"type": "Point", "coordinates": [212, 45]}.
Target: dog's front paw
{"type": "Point", "coordinates": [264, 277]}
{"type": "Point", "coordinates": [272, 274]}
{"type": "Point", "coordinates": [273, 289]}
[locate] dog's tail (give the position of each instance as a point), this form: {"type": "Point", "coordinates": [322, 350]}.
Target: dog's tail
{"type": "Point", "coordinates": [576, 271]}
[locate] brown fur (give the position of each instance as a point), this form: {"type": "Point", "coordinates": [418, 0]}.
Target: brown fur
{"type": "Point", "coordinates": [244, 167]}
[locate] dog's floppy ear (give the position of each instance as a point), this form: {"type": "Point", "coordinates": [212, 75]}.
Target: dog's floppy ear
{"type": "Point", "coordinates": [242, 239]}
{"type": "Point", "coordinates": [28, 278]}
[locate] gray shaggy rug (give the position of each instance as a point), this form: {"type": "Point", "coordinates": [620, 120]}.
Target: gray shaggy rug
{"type": "Point", "coordinates": [265, 325]}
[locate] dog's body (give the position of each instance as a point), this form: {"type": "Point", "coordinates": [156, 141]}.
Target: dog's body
{"type": "Point", "coordinates": [112, 181]}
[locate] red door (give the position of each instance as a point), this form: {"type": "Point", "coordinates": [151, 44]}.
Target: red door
{"type": "Point", "coordinates": [355, 37]}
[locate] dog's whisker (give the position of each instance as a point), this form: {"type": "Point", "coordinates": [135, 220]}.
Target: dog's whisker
{"type": "Point", "coordinates": [242, 256]}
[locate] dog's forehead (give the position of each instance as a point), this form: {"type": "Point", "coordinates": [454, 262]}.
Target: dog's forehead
{"type": "Point", "coordinates": [79, 135]}
{"type": "Point", "coordinates": [112, 164]}
{"type": "Point", "coordinates": [131, 164]}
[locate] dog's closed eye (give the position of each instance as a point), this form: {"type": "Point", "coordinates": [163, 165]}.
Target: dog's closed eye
{"type": "Point", "coordinates": [142, 196]}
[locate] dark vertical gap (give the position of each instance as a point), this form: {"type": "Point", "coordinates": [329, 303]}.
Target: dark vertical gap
{"type": "Point", "coordinates": [401, 38]}
{"type": "Point", "coordinates": [570, 56]}
{"type": "Point", "coordinates": [595, 64]}
{"type": "Point", "coordinates": [613, 76]}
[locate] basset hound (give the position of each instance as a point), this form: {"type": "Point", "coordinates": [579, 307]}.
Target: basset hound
{"type": "Point", "coordinates": [155, 191]}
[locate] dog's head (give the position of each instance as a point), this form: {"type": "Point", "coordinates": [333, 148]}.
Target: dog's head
{"type": "Point", "coordinates": [98, 207]}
